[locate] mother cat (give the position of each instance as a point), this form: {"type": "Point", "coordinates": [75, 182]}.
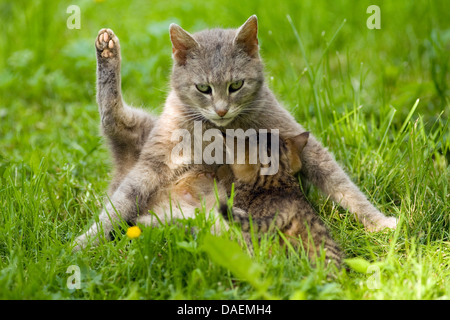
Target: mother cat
{"type": "Point", "coordinates": [217, 79]}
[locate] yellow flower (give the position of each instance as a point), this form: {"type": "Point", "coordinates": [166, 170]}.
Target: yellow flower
{"type": "Point", "coordinates": [133, 232]}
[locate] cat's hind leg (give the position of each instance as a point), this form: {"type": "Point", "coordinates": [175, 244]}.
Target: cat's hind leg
{"type": "Point", "coordinates": [125, 128]}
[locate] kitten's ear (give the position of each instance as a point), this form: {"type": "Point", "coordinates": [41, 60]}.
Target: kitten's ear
{"type": "Point", "coordinates": [300, 141]}
{"type": "Point", "coordinates": [182, 42]}
{"type": "Point", "coordinates": [295, 147]}
{"type": "Point", "coordinates": [247, 36]}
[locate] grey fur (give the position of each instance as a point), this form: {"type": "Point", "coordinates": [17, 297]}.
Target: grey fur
{"type": "Point", "coordinates": [141, 146]}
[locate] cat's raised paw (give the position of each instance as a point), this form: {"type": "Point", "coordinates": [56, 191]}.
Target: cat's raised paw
{"type": "Point", "coordinates": [107, 43]}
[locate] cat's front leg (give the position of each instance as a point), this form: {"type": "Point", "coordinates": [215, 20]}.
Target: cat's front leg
{"type": "Point", "coordinates": [126, 128]}
{"type": "Point", "coordinates": [130, 200]}
{"type": "Point", "coordinates": [320, 168]}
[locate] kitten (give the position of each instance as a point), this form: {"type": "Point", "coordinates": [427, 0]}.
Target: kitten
{"type": "Point", "coordinates": [218, 79]}
{"type": "Point", "coordinates": [277, 201]}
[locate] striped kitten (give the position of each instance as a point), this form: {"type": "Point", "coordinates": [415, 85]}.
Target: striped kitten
{"type": "Point", "coordinates": [277, 201]}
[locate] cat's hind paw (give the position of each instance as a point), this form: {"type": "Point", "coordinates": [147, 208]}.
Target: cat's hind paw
{"type": "Point", "coordinates": [80, 243]}
{"type": "Point", "coordinates": [107, 44]}
{"type": "Point", "coordinates": [387, 223]}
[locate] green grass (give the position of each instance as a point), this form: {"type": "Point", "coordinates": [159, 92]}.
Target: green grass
{"type": "Point", "coordinates": [378, 99]}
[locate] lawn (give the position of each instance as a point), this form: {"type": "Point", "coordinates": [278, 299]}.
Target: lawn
{"type": "Point", "coordinates": [377, 98]}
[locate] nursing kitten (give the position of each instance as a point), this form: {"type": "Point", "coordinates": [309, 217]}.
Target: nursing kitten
{"type": "Point", "coordinates": [218, 79]}
{"type": "Point", "coordinates": [276, 201]}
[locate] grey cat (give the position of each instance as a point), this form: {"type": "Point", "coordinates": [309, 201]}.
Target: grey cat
{"type": "Point", "coordinates": [276, 201]}
{"type": "Point", "coordinates": [218, 79]}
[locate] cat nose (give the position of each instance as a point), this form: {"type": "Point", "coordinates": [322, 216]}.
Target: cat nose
{"type": "Point", "coordinates": [221, 112]}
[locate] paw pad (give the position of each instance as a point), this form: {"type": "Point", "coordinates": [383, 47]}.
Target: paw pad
{"type": "Point", "coordinates": [107, 43]}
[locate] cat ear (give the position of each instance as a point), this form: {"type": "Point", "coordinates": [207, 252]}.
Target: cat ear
{"type": "Point", "coordinates": [299, 141]}
{"type": "Point", "coordinates": [295, 147]}
{"type": "Point", "coordinates": [182, 42]}
{"type": "Point", "coordinates": [247, 36]}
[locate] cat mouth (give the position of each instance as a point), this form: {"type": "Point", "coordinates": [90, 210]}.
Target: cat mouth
{"type": "Point", "coordinates": [222, 122]}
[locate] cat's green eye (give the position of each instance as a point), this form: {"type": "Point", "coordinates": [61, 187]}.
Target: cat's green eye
{"type": "Point", "coordinates": [204, 88]}
{"type": "Point", "coordinates": [235, 86]}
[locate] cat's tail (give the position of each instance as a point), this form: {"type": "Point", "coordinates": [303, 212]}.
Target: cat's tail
{"type": "Point", "coordinates": [259, 224]}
